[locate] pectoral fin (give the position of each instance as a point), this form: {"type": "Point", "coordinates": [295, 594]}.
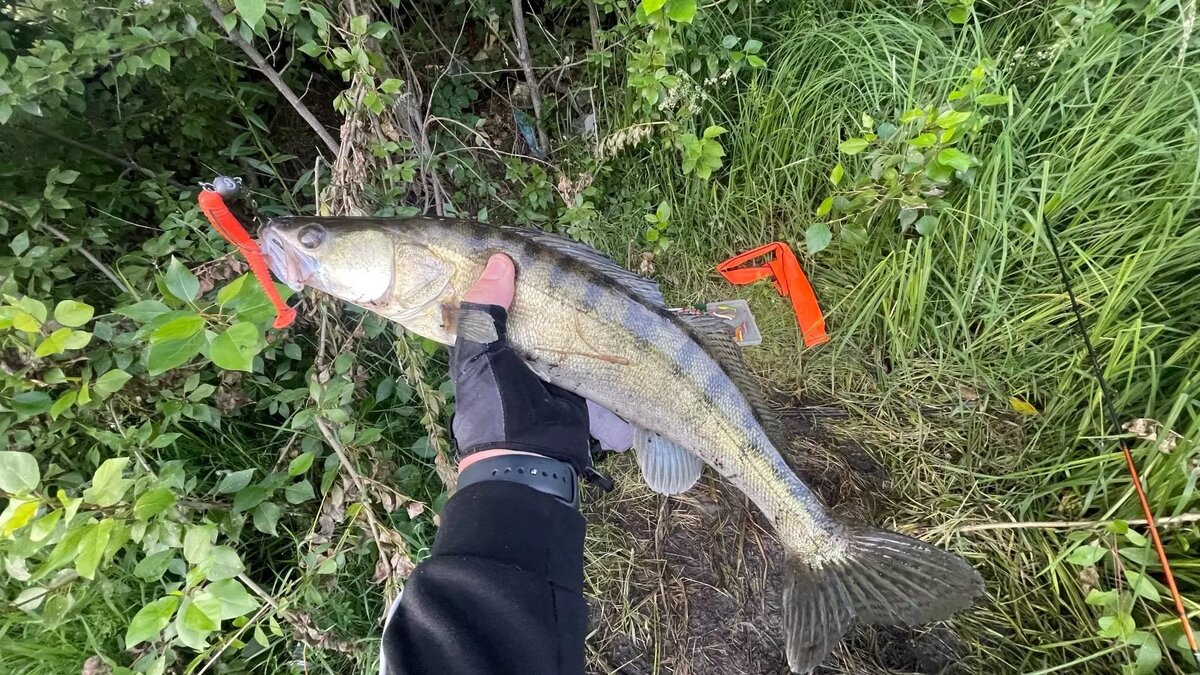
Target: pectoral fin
{"type": "Point", "coordinates": [668, 468]}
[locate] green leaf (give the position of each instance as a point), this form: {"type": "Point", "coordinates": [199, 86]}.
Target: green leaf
{"type": "Point", "coordinates": [298, 493]}
{"type": "Point", "coordinates": [391, 86]}
{"type": "Point", "coordinates": [19, 472]}
{"type": "Point", "coordinates": [111, 382]}
{"type": "Point", "coordinates": [1120, 626]}
{"type": "Point", "coordinates": [681, 10]}
{"type": "Point", "coordinates": [755, 61]}
{"type": "Point", "coordinates": [837, 174]}
{"type": "Point", "coordinates": [1101, 598]}
{"type": "Point", "coordinates": [72, 313]}
{"type": "Point", "coordinates": [235, 481]}
{"type": "Point", "coordinates": [75, 339]}
{"type": "Point", "coordinates": [358, 25]}
{"type": "Point", "coordinates": [236, 348]}
{"type": "Point", "coordinates": [234, 599]}
{"type": "Point", "coordinates": [196, 620]}
{"type": "Point", "coordinates": [108, 487]}
{"type": "Point", "coordinates": [222, 563]}
{"type": "Point", "coordinates": [19, 243]}
{"type": "Point", "coordinates": [167, 355]}
{"type": "Point", "coordinates": [153, 503]}
{"type": "Point", "coordinates": [198, 543]}
{"type": "Point", "coordinates": [161, 58]}
{"type": "Point", "coordinates": [652, 6]}
{"type": "Point", "coordinates": [266, 518]}
{"type": "Point", "coordinates": [248, 498]}
{"type": "Point", "coordinates": [152, 567]}
{"type": "Point", "coordinates": [752, 46]}
{"type": "Point", "coordinates": [713, 131]}
{"type": "Point", "coordinates": [31, 403]}
{"type": "Point", "coordinates": [952, 118]}
{"type": "Point", "coordinates": [991, 99]}
{"type": "Point", "coordinates": [251, 11]}
{"type": "Point", "coordinates": [378, 30]}
{"type": "Point", "coordinates": [143, 311]}
{"type": "Point", "coordinates": [1142, 585]}
{"type": "Point", "coordinates": [1086, 555]}
{"type": "Point", "coordinates": [926, 225]}
{"type": "Point", "coordinates": [17, 514]}
{"type": "Point", "coordinates": [853, 146]}
{"type": "Point", "coordinates": [817, 237]}
{"type": "Point", "coordinates": [180, 280]}
{"type": "Point", "coordinates": [179, 328]}
{"type": "Point", "coordinates": [925, 140]}
{"type": "Point", "coordinates": [1148, 657]}
{"type": "Point", "coordinates": [957, 14]}
{"type": "Point", "coordinates": [300, 464]}
{"type": "Point", "coordinates": [91, 547]}
{"type": "Point", "coordinates": [45, 525]}
{"type": "Point", "coordinates": [955, 158]}
{"type": "Point", "coordinates": [825, 207]}
{"type": "Point", "coordinates": [151, 620]}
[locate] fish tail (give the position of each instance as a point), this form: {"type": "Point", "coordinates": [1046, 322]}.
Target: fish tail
{"type": "Point", "coordinates": [883, 577]}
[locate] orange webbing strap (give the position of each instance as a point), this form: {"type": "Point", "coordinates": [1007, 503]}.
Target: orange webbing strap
{"type": "Point", "coordinates": [786, 275]}
{"type": "Point", "coordinates": [223, 221]}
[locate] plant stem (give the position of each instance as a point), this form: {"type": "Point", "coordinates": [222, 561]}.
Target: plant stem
{"type": "Point", "coordinates": [1074, 524]}
{"type": "Point", "coordinates": [531, 80]}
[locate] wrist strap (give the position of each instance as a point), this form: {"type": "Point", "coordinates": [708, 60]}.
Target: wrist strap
{"type": "Point", "coordinates": [543, 474]}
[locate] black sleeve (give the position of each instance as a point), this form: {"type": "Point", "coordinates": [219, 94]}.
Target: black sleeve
{"type": "Point", "coordinates": [501, 592]}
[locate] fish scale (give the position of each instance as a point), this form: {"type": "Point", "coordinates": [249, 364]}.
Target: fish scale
{"type": "Point", "coordinates": [593, 328]}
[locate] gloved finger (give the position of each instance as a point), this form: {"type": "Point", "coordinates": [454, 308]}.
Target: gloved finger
{"type": "Point", "coordinates": [605, 426]}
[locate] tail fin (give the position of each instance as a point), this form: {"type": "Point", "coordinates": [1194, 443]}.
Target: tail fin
{"type": "Point", "coordinates": [884, 578]}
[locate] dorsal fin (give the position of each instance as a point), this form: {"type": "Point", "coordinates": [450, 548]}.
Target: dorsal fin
{"type": "Point", "coordinates": [716, 334]}
{"type": "Point", "coordinates": [646, 289]}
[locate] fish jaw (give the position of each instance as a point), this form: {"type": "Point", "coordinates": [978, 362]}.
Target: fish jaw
{"type": "Point", "coordinates": [357, 266]}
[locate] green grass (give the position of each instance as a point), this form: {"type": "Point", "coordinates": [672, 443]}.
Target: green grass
{"type": "Point", "coordinates": [1101, 145]}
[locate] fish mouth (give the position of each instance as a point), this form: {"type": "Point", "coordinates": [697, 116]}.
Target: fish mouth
{"type": "Point", "coordinates": [291, 266]}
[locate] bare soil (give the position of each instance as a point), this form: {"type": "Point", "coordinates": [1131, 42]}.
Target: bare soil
{"type": "Point", "coordinates": [691, 583]}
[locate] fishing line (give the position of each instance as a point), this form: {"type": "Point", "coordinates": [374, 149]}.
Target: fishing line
{"type": "Point", "coordinates": [1110, 410]}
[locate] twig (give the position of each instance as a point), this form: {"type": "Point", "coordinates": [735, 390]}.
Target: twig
{"type": "Point", "coordinates": [267, 598]}
{"type": "Point", "coordinates": [117, 159]}
{"type": "Point", "coordinates": [594, 23]}
{"type": "Point", "coordinates": [269, 72]}
{"type": "Point", "coordinates": [1074, 524]}
{"type": "Point", "coordinates": [99, 264]}
{"type": "Point", "coordinates": [535, 94]}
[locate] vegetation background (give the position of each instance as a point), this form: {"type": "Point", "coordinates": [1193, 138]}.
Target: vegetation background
{"type": "Point", "coordinates": [187, 490]}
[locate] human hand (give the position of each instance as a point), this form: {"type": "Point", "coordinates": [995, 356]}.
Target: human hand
{"type": "Point", "coordinates": [500, 405]}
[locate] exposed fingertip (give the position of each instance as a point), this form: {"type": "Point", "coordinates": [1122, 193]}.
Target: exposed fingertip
{"type": "Point", "coordinates": [498, 267]}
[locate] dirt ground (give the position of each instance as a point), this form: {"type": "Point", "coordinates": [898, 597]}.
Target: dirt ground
{"type": "Point", "coordinates": [691, 583]}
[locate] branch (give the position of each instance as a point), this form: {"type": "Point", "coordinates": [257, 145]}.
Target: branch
{"type": "Point", "coordinates": [535, 94]}
{"type": "Point", "coordinates": [117, 159]}
{"type": "Point", "coordinates": [594, 24]}
{"type": "Point", "coordinates": [269, 72]}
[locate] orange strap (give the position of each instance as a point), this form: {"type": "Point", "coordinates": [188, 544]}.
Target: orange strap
{"type": "Point", "coordinates": [785, 274]}
{"type": "Point", "coordinates": [223, 221]}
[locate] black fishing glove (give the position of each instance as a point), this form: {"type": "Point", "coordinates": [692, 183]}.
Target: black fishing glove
{"type": "Point", "coordinates": [501, 404]}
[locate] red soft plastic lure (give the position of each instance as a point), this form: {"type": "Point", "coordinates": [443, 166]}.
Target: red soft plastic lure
{"type": "Point", "coordinates": [223, 221]}
{"type": "Point", "coordinates": [785, 273]}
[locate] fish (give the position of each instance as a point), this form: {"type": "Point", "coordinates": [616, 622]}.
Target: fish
{"type": "Point", "coordinates": [586, 324]}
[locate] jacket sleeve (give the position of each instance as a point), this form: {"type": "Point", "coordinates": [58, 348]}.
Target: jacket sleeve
{"type": "Point", "coordinates": [500, 593]}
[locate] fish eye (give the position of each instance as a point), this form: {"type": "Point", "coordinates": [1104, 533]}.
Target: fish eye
{"type": "Point", "coordinates": [311, 236]}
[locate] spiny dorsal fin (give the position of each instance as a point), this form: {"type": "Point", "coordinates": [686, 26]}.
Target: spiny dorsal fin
{"type": "Point", "coordinates": [716, 334]}
{"type": "Point", "coordinates": [645, 288]}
